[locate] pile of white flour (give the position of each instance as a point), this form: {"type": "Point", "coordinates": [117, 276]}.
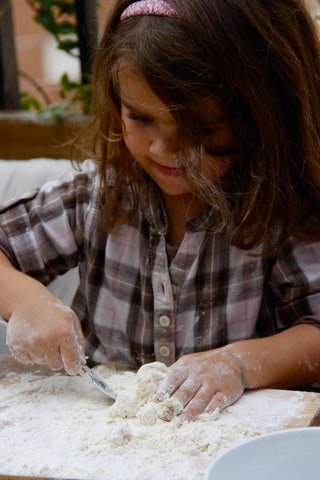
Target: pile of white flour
{"type": "Point", "coordinates": [61, 426]}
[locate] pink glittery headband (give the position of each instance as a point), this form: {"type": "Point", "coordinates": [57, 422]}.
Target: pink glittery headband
{"type": "Point", "coordinates": [149, 7]}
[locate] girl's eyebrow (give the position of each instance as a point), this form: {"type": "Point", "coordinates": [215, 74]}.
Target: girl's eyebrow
{"type": "Point", "coordinates": [127, 105]}
{"type": "Point", "coordinates": [133, 108]}
{"type": "Point", "coordinates": [158, 112]}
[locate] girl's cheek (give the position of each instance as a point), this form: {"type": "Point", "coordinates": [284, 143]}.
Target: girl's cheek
{"type": "Point", "coordinates": [133, 142]}
{"type": "Point", "coordinates": [136, 138]}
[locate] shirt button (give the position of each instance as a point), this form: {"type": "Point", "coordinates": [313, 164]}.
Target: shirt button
{"type": "Point", "coordinates": [164, 351]}
{"type": "Point", "coordinates": [164, 320]}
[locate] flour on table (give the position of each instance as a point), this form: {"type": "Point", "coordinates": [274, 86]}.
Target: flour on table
{"type": "Point", "coordinates": [61, 426]}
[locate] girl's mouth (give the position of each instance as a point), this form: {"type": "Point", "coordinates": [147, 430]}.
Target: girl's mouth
{"type": "Point", "coordinates": [167, 170]}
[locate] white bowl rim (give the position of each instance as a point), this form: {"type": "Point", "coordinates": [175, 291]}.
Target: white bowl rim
{"type": "Point", "coordinates": [303, 431]}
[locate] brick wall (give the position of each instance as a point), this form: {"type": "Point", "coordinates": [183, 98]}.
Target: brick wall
{"type": "Point", "coordinates": [37, 57]}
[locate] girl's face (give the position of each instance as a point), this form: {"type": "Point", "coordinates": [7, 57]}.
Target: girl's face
{"type": "Point", "coordinates": [151, 136]}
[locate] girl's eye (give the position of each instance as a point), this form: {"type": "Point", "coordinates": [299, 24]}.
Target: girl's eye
{"type": "Point", "coordinates": [221, 153]}
{"type": "Point", "coordinates": [211, 148]}
{"type": "Point", "coordinates": [139, 117]}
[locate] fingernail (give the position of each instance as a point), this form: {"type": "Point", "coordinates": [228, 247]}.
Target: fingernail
{"type": "Point", "coordinates": [73, 369]}
{"type": "Point", "coordinates": [182, 419]}
{"type": "Point", "coordinates": [22, 358]}
{"type": "Point", "coordinates": [161, 395]}
{"type": "Point", "coordinates": [166, 415]}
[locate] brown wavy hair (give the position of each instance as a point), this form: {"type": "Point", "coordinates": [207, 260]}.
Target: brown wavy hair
{"type": "Point", "coordinates": [261, 60]}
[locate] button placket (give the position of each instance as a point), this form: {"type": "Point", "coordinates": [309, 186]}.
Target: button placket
{"type": "Point", "coordinates": [164, 321]}
{"type": "Point", "coordinates": [164, 351]}
{"type": "Point", "coordinates": [164, 335]}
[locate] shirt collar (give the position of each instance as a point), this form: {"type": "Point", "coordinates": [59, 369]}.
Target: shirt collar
{"type": "Point", "coordinates": [152, 208]}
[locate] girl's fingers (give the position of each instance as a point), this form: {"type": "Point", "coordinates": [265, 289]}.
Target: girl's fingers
{"type": "Point", "coordinates": [197, 405]}
{"type": "Point", "coordinates": [71, 355]}
{"type": "Point", "coordinates": [20, 355]}
{"type": "Point", "coordinates": [55, 338]}
{"type": "Point", "coordinates": [53, 359]}
{"type": "Point", "coordinates": [203, 382]}
{"type": "Point", "coordinates": [176, 376]}
{"type": "Point", "coordinates": [67, 355]}
{"type": "Point", "coordinates": [40, 360]}
{"type": "Point", "coordinates": [186, 392]}
{"type": "Point", "coordinates": [203, 402]}
{"type": "Point", "coordinates": [80, 337]}
{"type": "Point", "coordinates": [219, 400]}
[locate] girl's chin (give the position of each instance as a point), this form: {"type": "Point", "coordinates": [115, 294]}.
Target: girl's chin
{"type": "Point", "coordinates": [172, 185]}
{"type": "Point", "coordinates": [175, 190]}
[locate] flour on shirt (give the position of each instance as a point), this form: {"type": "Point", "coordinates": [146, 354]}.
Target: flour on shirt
{"type": "Point", "coordinates": [62, 426]}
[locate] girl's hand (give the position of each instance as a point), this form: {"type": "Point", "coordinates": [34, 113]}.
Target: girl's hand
{"type": "Point", "coordinates": [44, 330]}
{"type": "Point", "coordinates": [202, 382]}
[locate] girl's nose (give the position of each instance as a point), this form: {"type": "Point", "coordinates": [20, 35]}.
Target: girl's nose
{"type": "Point", "coordinates": [163, 143]}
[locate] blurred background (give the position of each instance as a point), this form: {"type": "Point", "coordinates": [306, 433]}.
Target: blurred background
{"type": "Point", "coordinates": [46, 53]}
{"type": "Point", "coordinates": [40, 64]}
{"type": "Point", "coordinates": [41, 43]}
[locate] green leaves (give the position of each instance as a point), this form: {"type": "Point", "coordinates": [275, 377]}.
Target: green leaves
{"type": "Point", "coordinates": [54, 110]}
{"type": "Point", "coordinates": [27, 102]}
{"type": "Point", "coordinates": [58, 17]}
{"type": "Point", "coordinates": [81, 93]}
{"type": "Point", "coordinates": [68, 45]}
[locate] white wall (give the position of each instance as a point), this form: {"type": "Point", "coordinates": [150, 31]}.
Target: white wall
{"type": "Point", "coordinates": [18, 177]}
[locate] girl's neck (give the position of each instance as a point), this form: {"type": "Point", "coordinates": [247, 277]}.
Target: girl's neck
{"type": "Point", "coordinates": [179, 210]}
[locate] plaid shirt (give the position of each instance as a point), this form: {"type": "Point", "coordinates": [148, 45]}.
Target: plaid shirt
{"type": "Point", "coordinates": [134, 305]}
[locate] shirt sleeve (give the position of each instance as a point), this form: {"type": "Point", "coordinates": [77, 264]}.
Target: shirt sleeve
{"type": "Point", "coordinates": [6, 249]}
{"type": "Point", "coordinates": [44, 232]}
{"type": "Point", "coordinates": [294, 285]}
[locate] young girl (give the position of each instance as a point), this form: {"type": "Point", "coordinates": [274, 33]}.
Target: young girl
{"type": "Point", "coordinates": [196, 229]}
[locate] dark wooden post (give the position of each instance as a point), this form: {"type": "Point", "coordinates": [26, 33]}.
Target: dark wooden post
{"type": "Point", "coordinates": [9, 89]}
{"type": "Point", "coordinates": [87, 33]}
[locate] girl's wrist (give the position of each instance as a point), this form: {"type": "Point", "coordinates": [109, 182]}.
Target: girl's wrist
{"type": "Point", "coordinates": [236, 359]}
{"type": "Point", "coordinates": [249, 361]}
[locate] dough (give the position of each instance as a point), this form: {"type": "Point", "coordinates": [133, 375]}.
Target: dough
{"type": "Point", "coordinates": [140, 400]}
